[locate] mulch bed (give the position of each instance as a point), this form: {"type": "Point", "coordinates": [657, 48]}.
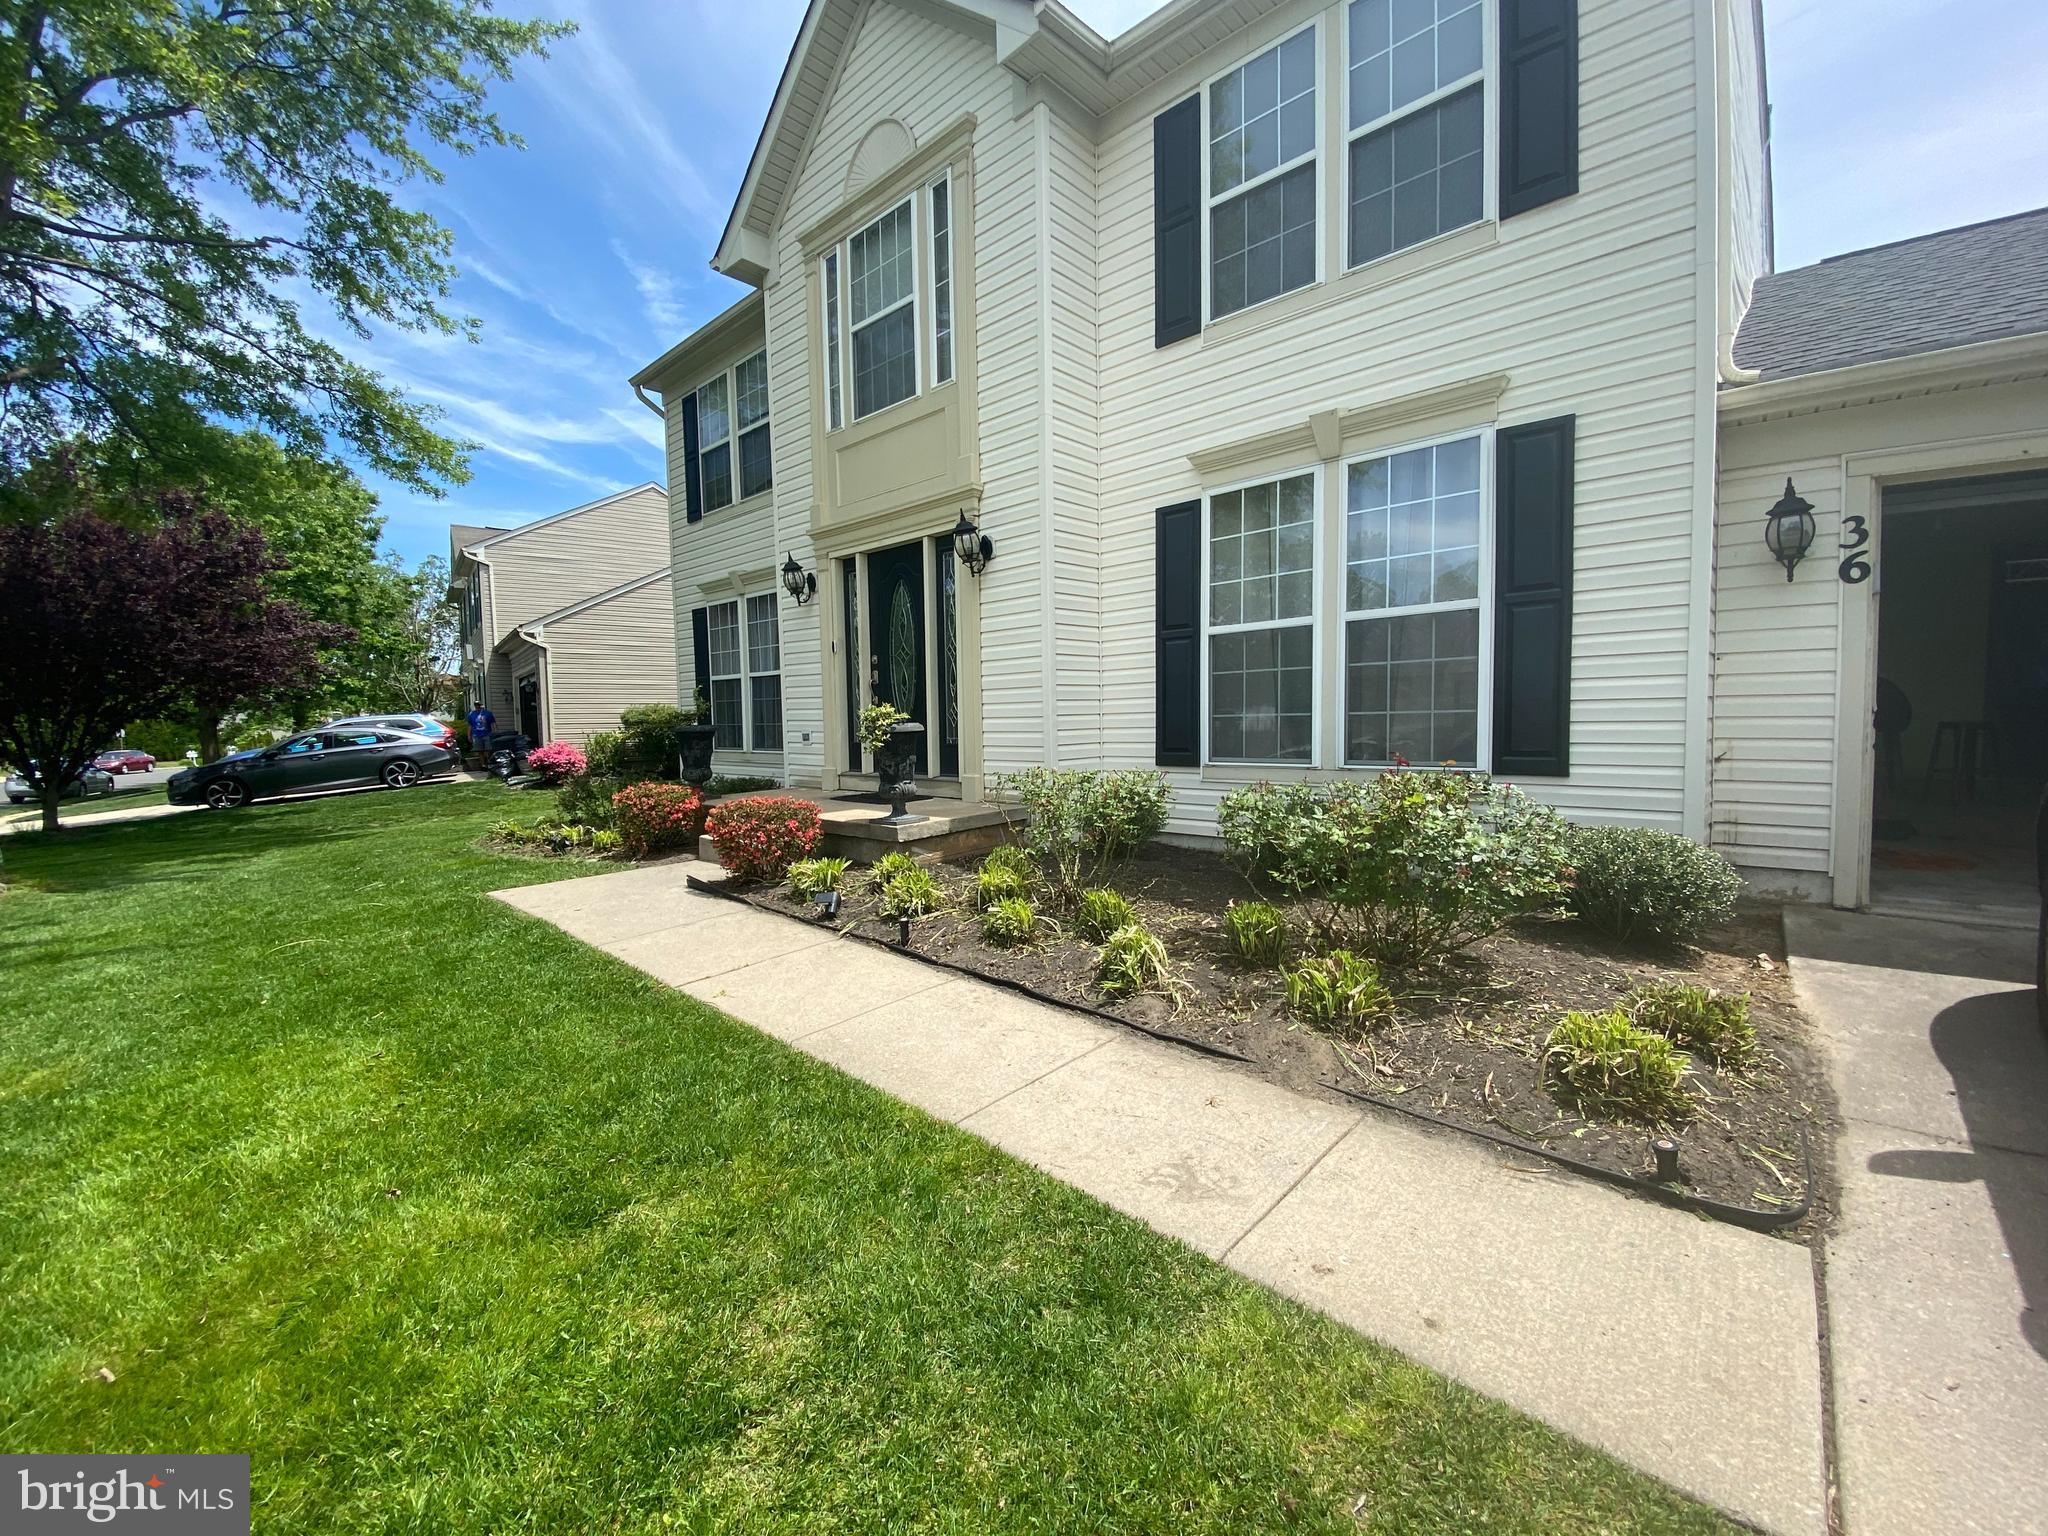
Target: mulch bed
{"type": "Point", "coordinates": [1464, 1043]}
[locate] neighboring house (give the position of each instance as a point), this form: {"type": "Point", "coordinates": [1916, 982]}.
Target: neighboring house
{"type": "Point", "coordinates": [1334, 383]}
{"type": "Point", "coordinates": [567, 620]}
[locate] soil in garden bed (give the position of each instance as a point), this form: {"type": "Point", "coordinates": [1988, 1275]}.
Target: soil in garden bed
{"type": "Point", "coordinates": [1464, 1044]}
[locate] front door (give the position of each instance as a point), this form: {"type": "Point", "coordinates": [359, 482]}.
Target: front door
{"type": "Point", "coordinates": [529, 708]}
{"type": "Point", "coordinates": [896, 664]}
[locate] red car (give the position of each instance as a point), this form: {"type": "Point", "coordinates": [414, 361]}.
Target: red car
{"type": "Point", "coordinates": [124, 760]}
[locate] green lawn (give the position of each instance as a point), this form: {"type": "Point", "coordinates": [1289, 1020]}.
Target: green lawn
{"type": "Point", "coordinates": [123, 798]}
{"type": "Point", "coordinates": [455, 1224]}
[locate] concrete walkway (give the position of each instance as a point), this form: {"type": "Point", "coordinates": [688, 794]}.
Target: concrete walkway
{"type": "Point", "coordinates": [1681, 1346]}
{"type": "Point", "coordinates": [30, 818]}
{"type": "Point", "coordinates": [1937, 1278]}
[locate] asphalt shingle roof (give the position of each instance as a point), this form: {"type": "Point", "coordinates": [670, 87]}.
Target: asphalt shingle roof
{"type": "Point", "coordinates": [1978, 283]}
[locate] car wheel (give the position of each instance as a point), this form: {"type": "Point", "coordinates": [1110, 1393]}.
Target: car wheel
{"type": "Point", "coordinates": [226, 794]}
{"type": "Point", "coordinates": [402, 774]}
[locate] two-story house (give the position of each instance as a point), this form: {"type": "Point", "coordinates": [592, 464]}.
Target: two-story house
{"type": "Point", "coordinates": [1286, 387]}
{"type": "Point", "coordinates": [568, 619]}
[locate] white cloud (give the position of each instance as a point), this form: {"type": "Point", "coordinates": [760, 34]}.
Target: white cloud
{"type": "Point", "coordinates": [665, 311]}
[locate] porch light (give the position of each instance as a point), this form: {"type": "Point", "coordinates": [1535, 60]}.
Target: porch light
{"type": "Point", "coordinates": [1788, 529]}
{"type": "Point", "coordinates": [798, 582]}
{"type": "Point", "coordinates": [971, 547]}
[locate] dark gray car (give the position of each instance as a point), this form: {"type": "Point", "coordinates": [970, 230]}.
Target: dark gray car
{"type": "Point", "coordinates": [342, 758]}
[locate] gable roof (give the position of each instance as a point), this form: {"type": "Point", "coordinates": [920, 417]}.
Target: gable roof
{"type": "Point", "coordinates": [1954, 288]}
{"type": "Point", "coordinates": [500, 535]}
{"type": "Point", "coordinates": [1037, 40]}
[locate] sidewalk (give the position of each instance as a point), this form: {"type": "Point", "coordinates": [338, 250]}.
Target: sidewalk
{"type": "Point", "coordinates": [1681, 1346]}
{"type": "Point", "coordinates": [30, 818]}
{"type": "Point", "coordinates": [1938, 1274]}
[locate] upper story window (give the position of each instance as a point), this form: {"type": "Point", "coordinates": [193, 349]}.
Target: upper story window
{"type": "Point", "coordinates": [1415, 122]}
{"type": "Point", "coordinates": [887, 293]}
{"type": "Point", "coordinates": [732, 415]}
{"type": "Point", "coordinates": [1262, 130]}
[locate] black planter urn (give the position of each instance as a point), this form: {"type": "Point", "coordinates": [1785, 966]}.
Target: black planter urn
{"type": "Point", "coordinates": [693, 747]}
{"type": "Point", "coordinates": [896, 767]}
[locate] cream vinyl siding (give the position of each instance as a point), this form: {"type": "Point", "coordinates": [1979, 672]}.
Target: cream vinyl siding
{"type": "Point", "coordinates": [928, 75]}
{"type": "Point", "coordinates": [1776, 664]}
{"type": "Point", "coordinates": [1745, 179]}
{"type": "Point", "coordinates": [549, 568]}
{"type": "Point", "coordinates": [1587, 305]}
{"type": "Point", "coordinates": [609, 657]}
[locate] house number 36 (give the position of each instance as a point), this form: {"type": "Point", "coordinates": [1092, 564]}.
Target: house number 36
{"type": "Point", "coordinates": [1855, 537]}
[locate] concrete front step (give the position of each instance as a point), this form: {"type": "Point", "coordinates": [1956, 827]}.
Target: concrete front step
{"type": "Point", "coordinates": [949, 829]}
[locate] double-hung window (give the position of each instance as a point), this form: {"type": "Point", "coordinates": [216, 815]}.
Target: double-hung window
{"type": "Point", "coordinates": [714, 442]}
{"type": "Point", "coordinates": [1416, 122]}
{"type": "Point", "coordinates": [732, 418]}
{"type": "Point", "coordinates": [750, 402]}
{"type": "Point", "coordinates": [1262, 176]}
{"type": "Point", "coordinates": [728, 684]}
{"type": "Point", "coordinates": [881, 285]}
{"type": "Point", "coordinates": [1261, 581]}
{"type": "Point", "coordinates": [764, 674]}
{"type": "Point", "coordinates": [1414, 533]}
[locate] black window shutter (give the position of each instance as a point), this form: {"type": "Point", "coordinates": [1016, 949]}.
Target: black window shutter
{"type": "Point", "coordinates": [693, 476]}
{"type": "Point", "coordinates": [700, 643]}
{"type": "Point", "coordinates": [1532, 620]}
{"type": "Point", "coordinates": [1539, 103]}
{"type": "Point", "coordinates": [1177, 574]}
{"type": "Point", "coordinates": [1177, 222]}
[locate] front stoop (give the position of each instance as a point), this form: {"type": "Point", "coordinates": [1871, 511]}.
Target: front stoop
{"type": "Point", "coordinates": [951, 829]}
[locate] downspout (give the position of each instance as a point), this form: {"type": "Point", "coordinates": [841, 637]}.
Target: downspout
{"type": "Point", "coordinates": [658, 410]}
{"type": "Point", "coordinates": [1711, 247]}
{"type": "Point", "coordinates": [1048, 591]}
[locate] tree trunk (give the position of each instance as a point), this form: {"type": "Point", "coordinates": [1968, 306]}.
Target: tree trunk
{"type": "Point", "coordinates": [209, 738]}
{"type": "Point", "coordinates": [49, 809]}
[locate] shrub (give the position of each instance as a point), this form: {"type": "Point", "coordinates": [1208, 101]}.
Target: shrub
{"type": "Point", "coordinates": [759, 839]}
{"type": "Point", "coordinates": [655, 818]}
{"type": "Point", "coordinates": [813, 877]}
{"type": "Point", "coordinates": [1082, 820]}
{"type": "Point", "coordinates": [649, 731]}
{"type": "Point", "coordinates": [737, 784]}
{"type": "Point", "coordinates": [1258, 932]}
{"type": "Point", "coordinates": [1404, 867]}
{"type": "Point", "coordinates": [1101, 912]}
{"type": "Point", "coordinates": [1000, 883]}
{"type": "Point", "coordinates": [911, 893]}
{"type": "Point", "coordinates": [1608, 1063]}
{"type": "Point", "coordinates": [1716, 1024]}
{"type": "Point", "coordinates": [1338, 989]}
{"type": "Point", "coordinates": [1011, 921]}
{"type": "Point", "coordinates": [588, 799]}
{"type": "Point", "coordinates": [1637, 882]}
{"type": "Point", "coordinates": [891, 864]}
{"type": "Point", "coordinates": [608, 755]}
{"type": "Point", "coordinates": [1132, 960]}
{"type": "Point", "coordinates": [556, 761]}
{"type": "Point", "coordinates": [1012, 857]}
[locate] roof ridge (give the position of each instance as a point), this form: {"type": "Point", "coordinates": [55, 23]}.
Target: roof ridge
{"type": "Point", "coordinates": [1932, 234]}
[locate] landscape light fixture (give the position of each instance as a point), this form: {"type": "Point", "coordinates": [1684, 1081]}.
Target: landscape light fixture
{"type": "Point", "coordinates": [1788, 529]}
{"type": "Point", "coordinates": [798, 582]}
{"type": "Point", "coordinates": [971, 547]}
{"type": "Point", "coordinates": [1666, 1151]}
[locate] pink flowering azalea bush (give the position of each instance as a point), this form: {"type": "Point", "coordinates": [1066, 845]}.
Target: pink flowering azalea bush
{"type": "Point", "coordinates": [759, 838]}
{"type": "Point", "coordinates": [556, 762]}
{"type": "Point", "coordinates": [657, 817]}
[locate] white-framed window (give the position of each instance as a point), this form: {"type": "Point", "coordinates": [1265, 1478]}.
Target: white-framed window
{"type": "Point", "coordinates": [1415, 122]}
{"type": "Point", "coordinates": [732, 422]}
{"type": "Point", "coordinates": [1262, 184]}
{"type": "Point", "coordinates": [764, 673]}
{"type": "Point", "coordinates": [728, 678]}
{"type": "Point", "coordinates": [881, 311]}
{"type": "Point", "coordinates": [714, 441]}
{"type": "Point", "coordinates": [1259, 571]}
{"type": "Point", "coordinates": [941, 195]}
{"type": "Point", "coordinates": [828, 274]}
{"type": "Point", "coordinates": [746, 673]}
{"type": "Point", "coordinates": [1417, 624]}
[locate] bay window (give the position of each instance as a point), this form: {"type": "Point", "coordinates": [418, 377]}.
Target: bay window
{"type": "Point", "coordinates": [941, 194]}
{"type": "Point", "coordinates": [1262, 195]}
{"type": "Point", "coordinates": [881, 285]}
{"type": "Point", "coordinates": [1415, 122]}
{"type": "Point", "coordinates": [1261, 586]}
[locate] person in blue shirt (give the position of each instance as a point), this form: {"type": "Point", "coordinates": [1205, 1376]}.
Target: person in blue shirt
{"type": "Point", "coordinates": [481, 722]}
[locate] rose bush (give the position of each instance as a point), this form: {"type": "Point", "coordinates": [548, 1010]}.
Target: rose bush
{"type": "Point", "coordinates": [759, 838]}
{"type": "Point", "coordinates": [556, 762]}
{"type": "Point", "coordinates": [657, 817]}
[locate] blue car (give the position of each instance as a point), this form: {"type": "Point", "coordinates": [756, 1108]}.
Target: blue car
{"type": "Point", "coordinates": [346, 757]}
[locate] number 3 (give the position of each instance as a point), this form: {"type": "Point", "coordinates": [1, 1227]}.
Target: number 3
{"type": "Point", "coordinates": [1854, 569]}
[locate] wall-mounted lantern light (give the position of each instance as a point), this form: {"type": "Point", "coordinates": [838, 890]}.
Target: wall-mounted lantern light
{"type": "Point", "coordinates": [1788, 529]}
{"type": "Point", "coordinates": [971, 547]}
{"type": "Point", "coordinates": [798, 582]}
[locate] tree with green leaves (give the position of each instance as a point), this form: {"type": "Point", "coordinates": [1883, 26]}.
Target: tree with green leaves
{"type": "Point", "coordinates": [172, 175]}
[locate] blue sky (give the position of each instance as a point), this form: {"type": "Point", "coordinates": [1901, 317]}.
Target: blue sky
{"type": "Point", "coordinates": [585, 255]}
